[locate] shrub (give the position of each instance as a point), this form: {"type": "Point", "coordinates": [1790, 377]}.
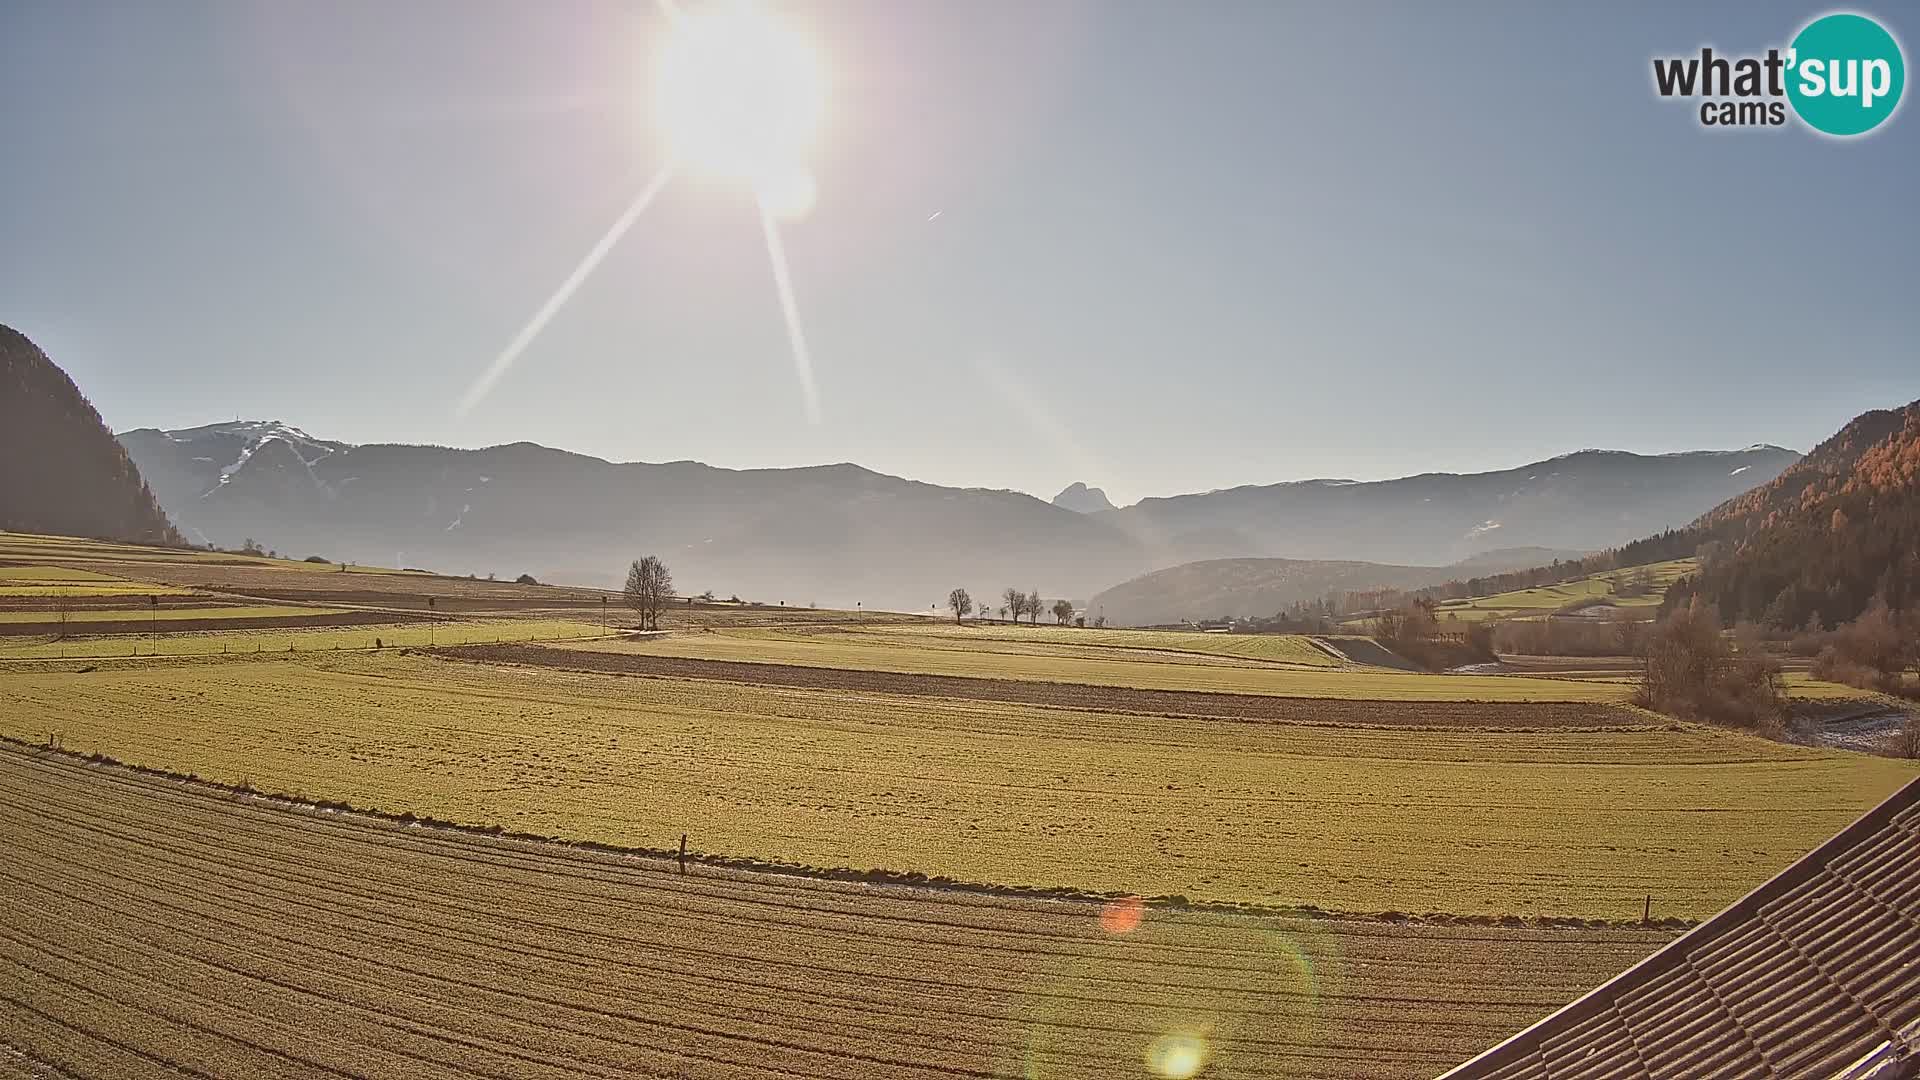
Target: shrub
{"type": "Point", "coordinates": [525, 579]}
{"type": "Point", "coordinates": [1694, 672]}
{"type": "Point", "coordinates": [1872, 652]}
{"type": "Point", "coordinates": [317, 559]}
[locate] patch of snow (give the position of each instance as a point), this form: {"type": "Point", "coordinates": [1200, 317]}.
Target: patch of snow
{"type": "Point", "coordinates": [245, 453]}
{"type": "Point", "coordinates": [486, 479]}
{"type": "Point", "coordinates": [1483, 528]}
{"type": "Point", "coordinates": [1740, 470]}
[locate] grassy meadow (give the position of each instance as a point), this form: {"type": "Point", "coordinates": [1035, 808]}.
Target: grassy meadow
{"type": "Point", "coordinates": [1605, 587]}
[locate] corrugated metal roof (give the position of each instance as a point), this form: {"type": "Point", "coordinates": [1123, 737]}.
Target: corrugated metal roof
{"type": "Point", "coordinates": [1816, 973]}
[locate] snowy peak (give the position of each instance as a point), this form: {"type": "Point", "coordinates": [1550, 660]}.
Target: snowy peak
{"type": "Point", "coordinates": [230, 444]}
{"type": "Point", "coordinates": [186, 464]}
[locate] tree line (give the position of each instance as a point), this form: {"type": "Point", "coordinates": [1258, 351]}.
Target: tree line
{"type": "Point", "coordinates": [1014, 603]}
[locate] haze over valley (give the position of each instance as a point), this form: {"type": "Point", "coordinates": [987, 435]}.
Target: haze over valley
{"type": "Point", "coordinates": [840, 535]}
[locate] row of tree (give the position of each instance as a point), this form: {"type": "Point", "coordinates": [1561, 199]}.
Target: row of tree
{"type": "Point", "coordinates": [1017, 603]}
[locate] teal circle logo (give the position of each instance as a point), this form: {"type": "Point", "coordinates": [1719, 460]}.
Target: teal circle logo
{"type": "Point", "coordinates": [1845, 74]}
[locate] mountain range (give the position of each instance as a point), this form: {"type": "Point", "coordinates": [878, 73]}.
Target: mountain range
{"type": "Point", "coordinates": [842, 534]}
{"type": "Point", "coordinates": [1586, 500]}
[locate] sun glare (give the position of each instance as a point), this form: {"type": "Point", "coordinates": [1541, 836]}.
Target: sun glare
{"type": "Point", "coordinates": [740, 95]}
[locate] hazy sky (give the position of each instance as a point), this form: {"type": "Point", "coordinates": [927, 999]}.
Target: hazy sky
{"type": "Point", "coordinates": [1178, 246]}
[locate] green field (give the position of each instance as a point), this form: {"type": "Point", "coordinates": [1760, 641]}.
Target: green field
{"type": "Point", "coordinates": [1484, 821]}
{"type": "Point", "coordinates": [1548, 599]}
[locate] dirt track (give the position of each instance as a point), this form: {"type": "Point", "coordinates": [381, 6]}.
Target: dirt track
{"type": "Point", "coordinates": [1262, 707]}
{"type": "Point", "coordinates": [150, 928]}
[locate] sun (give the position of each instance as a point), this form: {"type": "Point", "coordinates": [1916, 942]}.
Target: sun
{"type": "Point", "coordinates": [739, 96]}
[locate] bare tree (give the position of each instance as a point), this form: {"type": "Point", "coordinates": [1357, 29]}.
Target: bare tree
{"type": "Point", "coordinates": [1016, 603]}
{"type": "Point", "coordinates": [1905, 742]}
{"type": "Point", "coordinates": [1062, 611]}
{"type": "Point", "coordinates": [1034, 607]}
{"type": "Point", "coordinates": [1003, 613]}
{"type": "Point", "coordinates": [960, 604]}
{"type": "Point", "coordinates": [649, 587]}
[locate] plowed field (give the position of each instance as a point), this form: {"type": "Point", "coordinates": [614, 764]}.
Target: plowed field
{"type": "Point", "coordinates": [150, 928]}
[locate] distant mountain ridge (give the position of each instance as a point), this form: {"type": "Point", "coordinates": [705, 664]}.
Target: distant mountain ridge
{"type": "Point", "coordinates": [1261, 588]}
{"type": "Point", "coordinates": [835, 534]}
{"type": "Point", "coordinates": [60, 469]}
{"type": "Point", "coordinates": [1585, 500]}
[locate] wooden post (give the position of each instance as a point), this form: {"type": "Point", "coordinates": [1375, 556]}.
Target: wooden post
{"type": "Point", "coordinates": [1647, 916]}
{"type": "Point", "coordinates": [683, 853]}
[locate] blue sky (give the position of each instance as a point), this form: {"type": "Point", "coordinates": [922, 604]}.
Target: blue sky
{"type": "Point", "coordinates": [1177, 247]}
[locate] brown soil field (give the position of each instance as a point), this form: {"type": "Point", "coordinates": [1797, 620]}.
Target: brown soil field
{"type": "Point", "coordinates": [152, 928]}
{"type": "Point", "coordinates": [1453, 715]}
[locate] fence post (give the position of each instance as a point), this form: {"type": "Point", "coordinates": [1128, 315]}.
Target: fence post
{"type": "Point", "coordinates": [1647, 916]}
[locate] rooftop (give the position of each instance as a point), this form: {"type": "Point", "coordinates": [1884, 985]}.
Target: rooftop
{"type": "Point", "coordinates": [1816, 973]}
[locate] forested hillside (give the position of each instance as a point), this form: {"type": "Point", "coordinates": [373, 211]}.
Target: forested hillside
{"type": "Point", "coordinates": [61, 471]}
{"type": "Point", "coordinates": [1821, 540]}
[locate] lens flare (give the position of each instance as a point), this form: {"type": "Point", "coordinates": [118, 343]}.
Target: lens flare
{"type": "Point", "coordinates": [1177, 1055]}
{"type": "Point", "coordinates": [482, 385]}
{"type": "Point", "coordinates": [1192, 999]}
{"type": "Point", "coordinates": [1122, 916]}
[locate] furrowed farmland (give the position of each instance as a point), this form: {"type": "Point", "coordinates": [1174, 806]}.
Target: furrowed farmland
{"type": "Point", "coordinates": [153, 928]}
{"type": "Point", "coordinates": [430, 843]}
